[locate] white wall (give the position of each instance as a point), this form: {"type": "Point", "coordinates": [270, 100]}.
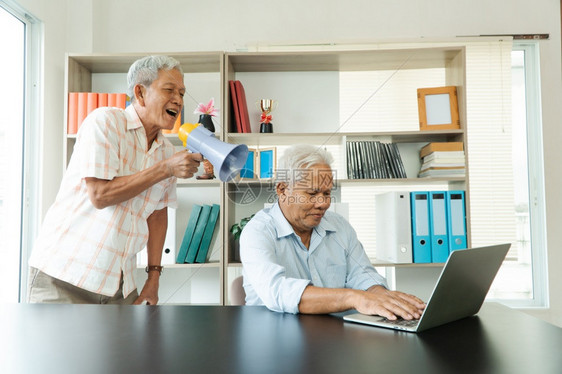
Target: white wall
{"type": "Point", "coordinates": [107, 26]}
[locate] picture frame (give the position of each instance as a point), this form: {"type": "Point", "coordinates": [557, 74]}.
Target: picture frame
{"type": "Point", "coordinates": [267, 159]}
{"type": "Point", "coordinates": [249, 169]}
{"type": "Point", "coordinates": [260, 164]}
{"type": "Point", "coordinates": [438, 108]}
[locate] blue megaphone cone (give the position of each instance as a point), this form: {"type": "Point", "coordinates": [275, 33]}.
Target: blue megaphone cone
{"type": "Point", "coordinates": [228, 159]}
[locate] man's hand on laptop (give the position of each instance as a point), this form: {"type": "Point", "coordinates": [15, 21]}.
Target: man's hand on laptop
{"type": "Point", "coordinates": [390, 304]}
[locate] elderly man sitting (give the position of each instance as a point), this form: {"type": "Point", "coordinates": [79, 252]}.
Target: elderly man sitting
{"type": "Point", "coordinates": [300, 258]}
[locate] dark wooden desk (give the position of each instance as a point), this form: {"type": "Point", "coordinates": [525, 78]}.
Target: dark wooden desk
{"type": "Point", "coordinates": [82, 339]}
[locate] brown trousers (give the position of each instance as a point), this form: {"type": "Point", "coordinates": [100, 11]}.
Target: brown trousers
{"type": "Point", "coordinates": [42, 288]}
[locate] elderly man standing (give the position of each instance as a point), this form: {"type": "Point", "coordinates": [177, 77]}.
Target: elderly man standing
{"type": "Point", "coordinates": [113, 198]}
{"type": "Point", "coordinates": [300, 258]}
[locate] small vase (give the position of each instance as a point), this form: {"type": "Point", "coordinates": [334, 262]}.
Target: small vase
{"type": "Point", "coordinates": [207, 122]}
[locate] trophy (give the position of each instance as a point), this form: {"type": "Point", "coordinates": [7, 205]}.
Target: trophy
{"type": "Point", "coordinates": [266, 106]}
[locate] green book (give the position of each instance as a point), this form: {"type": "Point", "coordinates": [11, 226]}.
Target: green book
{"type": "Point", "coordinates": [208, 234]}
{"type": "Point", "coordinates": [198, 234]}
{"type": "Point", "coordinates": [189, 230]}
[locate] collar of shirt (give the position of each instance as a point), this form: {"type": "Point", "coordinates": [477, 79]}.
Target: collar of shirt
{"type": "Point", "coordinates": [134, 123]}
{"type": "Point", "coordinates": [133, 120]}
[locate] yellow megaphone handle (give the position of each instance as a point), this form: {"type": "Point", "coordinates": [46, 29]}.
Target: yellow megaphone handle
{"type": "Point", "coordinates": [185, 130]}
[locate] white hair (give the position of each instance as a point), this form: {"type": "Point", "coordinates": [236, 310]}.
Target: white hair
{"type": "Point", "coordinates": [145, 70]}
{"type": "Point", "coordinates": [300, 157]}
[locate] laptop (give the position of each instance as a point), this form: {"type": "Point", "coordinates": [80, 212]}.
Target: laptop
{"type": "Point", "coordinates": [459, 292]}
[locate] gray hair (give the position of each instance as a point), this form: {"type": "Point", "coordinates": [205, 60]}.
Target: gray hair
{"type": "Point", "coordinates": [300, 157]}
{"type": "Point", "coordinates": [145, 70]}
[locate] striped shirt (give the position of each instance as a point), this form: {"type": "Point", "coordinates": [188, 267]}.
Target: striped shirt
{"type": "Point", "coordinates": [90, 247]}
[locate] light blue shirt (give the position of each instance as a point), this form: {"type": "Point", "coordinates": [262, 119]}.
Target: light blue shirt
{"type": "Point", "coordinates": [277, 267]}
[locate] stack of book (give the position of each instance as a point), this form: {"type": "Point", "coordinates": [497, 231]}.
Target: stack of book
{"type": "Point", "coordinates": [373, 160]}
{"type": "Point", "coordinates": [198, 234]}
{"type": "Point", "coordinates": [80, 104]}
{"type": "Point", "coordinates": [444, 159]}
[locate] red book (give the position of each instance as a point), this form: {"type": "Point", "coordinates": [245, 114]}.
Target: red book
{"type": "Point", "coordinates": [244, 117]}
{"type": "Point", "coordinates": [112, 100]}
{"type": "Point", "coordinates": [236, 123]}
{"type": "Point", "coordinates": [82, 107]}
{"type": "Point", "coordinates": [102, 100]}
{"type": "Point", "coordinates": [72, 120]}
{"type": "Point", "coordinates": [92, 102]}
{"type": "Point", "coordinates": [121, 100]}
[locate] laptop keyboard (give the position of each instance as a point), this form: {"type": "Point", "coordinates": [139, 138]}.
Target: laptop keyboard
{"type": "Point", "coordinates": [402, 322]}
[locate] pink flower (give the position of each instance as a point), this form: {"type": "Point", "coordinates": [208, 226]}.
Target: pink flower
{"type": "Point", "coordinates": [209, 108]}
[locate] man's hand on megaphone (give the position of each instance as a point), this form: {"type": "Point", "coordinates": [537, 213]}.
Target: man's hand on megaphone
{"type": "Point", "coordinates": [184, 164]}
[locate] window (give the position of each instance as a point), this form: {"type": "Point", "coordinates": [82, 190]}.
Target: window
{"type": "Point", "coordinates": [18, 75]}
{"type": "Point", "coordinates": [523, 277]}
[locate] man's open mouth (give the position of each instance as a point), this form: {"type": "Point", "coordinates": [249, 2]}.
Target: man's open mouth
{"type": "Point", "coordinates": [172, 112]}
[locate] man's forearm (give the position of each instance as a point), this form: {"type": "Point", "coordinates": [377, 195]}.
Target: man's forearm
{"type": "Point", "coordinates": [376, 300]}
{"type": "Point", "coordinates": [104, 193]}
{"type": "Point", "coordinates": [318, 300]}
{"type": "Point", "coordinates": [157, 226]}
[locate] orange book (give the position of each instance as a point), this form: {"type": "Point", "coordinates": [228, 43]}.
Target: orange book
{"type": "Point", "coordinates": [102, 100]}
{"type": "Point", "coordinates": [82, 107]}
{"type": "Point", "coordinates": [72, 120]}
{"type": "Point", "coordinates": [112, 100]}
{"type": "Point", "coordinates": [440, 147]}
{"type": "Point", "coordinates": [121, 100]}
{"type": "Point", "coordinates": [92, 102]}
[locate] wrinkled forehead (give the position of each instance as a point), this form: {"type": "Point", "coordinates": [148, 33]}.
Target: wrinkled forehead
{"type": "Point", "coordinates": [316, 177]}
{"type": "Point", "coordinates": [171, 76]}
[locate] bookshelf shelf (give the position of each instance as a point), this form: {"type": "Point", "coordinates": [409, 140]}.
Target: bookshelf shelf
{"type": "Point", "coordinates": [189, 266]}
{"type": "Point", "coordinates": [338, 137]}
{"type": "Point", "coordinates": [118, 63]}
{"type": "Point", "coordinates": [399, 181]}
{"type": "Point", "coordinates": [173, 138]}
{"type": "Point", "coordinates": [198, 182]}
{"type": "Point", "coordinates": [375, 262]}
{"type": "Point", "coordinates": [403, 181]}
{"type": "Point", "coordinates": [364, 60]}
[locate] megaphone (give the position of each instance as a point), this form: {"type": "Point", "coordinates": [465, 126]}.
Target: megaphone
{"type": "Point", "coordinates": [227, 158]}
